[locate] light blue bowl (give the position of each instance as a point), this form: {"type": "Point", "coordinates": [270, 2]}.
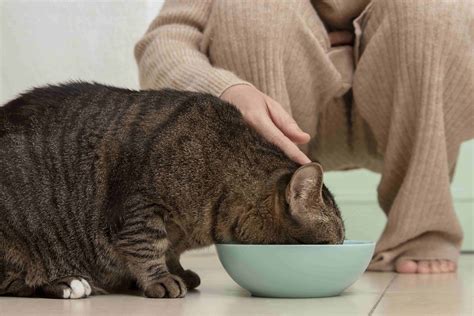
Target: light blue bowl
{"type": "Point", "coordinates": [294, 271]}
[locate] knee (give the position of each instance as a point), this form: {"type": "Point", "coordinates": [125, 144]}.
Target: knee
{"type": "Point", "coordinates": [440, 15]}
{"type": "Point", "coordinates": [434, 26]}
{"type": "Point", "coordinates": [248, 20]}
{"type": "Point", "coordinates": [263, 21]}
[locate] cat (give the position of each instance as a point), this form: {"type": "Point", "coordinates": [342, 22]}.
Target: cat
{"type": "Point", "coordinates": [102, 187]}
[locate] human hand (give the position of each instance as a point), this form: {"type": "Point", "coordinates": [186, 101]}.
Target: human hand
{"type": "Point", "coordinates": [269, 118]}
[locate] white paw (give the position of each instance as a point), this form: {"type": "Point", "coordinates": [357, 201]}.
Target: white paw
{"type": "Point", "coordinates": [78, 288]}
{"type": "Point", "coordinates": [87, 287]}
{"type": "Point", "coordinates": [66, 293]}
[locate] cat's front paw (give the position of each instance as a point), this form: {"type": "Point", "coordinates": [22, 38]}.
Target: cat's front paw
{"type": "Point", "coordinates": [171, 286]}
{"type": "Point", "coordinates": [67, 288]}
{"type": "Point", "coordinates": [191, 279]}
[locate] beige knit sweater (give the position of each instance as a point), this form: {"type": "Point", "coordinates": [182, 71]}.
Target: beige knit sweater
{"type": "Point", "coordinates": [173, 51]}
{"type": "Point", "coordinates": [411, 73]}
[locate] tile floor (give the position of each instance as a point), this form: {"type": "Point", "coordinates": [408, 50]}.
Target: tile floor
{"type": "Point", "coordinates": [373, 294]}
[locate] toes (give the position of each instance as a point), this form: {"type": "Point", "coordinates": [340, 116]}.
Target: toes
{"type": "Point", "coordinates": [452, 266]}
{"type": "Point", "coordinates": [175, 286]}
{"type": "Point", "coordinates": [424, 267]}
{"type": "Point", "coordinates": [67, 288]}
{"type": "Point", "coordinates": [155, 290]}
{"type": "Point", "coordinates": [406, 266]}
{"type": "Point", "coordinates": [444, 266]}
{"type": "Point", "coordinates": [435, 266]}
{"type": "Point", "coordinates": [67, 292]}
{"type": "Point", "coordinates": [77, 289]}
{"type": "Point", "coordinates": [170, 286]}
{"type": "Point", "coordinates": [87, 287]}
{"type": "Point", "coordinates": [182, 286]}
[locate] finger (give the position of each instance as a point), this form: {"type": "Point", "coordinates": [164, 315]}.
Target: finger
{"type": "Point", "coordinates": [341, 38]}
{"type": "Point", "coordinates": [275, 136]}
{"type": "Point", "coordinates": [286, 123]}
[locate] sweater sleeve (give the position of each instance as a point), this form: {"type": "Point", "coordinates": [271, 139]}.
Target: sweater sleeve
{"type": "Point", "coordinates": [169, 54]}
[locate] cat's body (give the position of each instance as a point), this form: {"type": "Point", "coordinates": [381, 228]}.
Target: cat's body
{"type": "Point", "coordinates": [108, 186]}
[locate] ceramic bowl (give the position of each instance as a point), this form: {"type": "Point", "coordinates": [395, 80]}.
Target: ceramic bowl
{"type": "Point", "coordinates": [296, 271]}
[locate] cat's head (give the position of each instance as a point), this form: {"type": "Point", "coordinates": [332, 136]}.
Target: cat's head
{"type": "Point", "coordinates": [309, 211]}
{"type": "Point", "coordinates": [297, 209]}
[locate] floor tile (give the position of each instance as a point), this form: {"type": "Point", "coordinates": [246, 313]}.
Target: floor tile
{"type": "Point", "coordinates": [431, 294]}
{"type": "Point", "coordinates": [219, 295]}
{"type": "Point", "coordinates": [460, 282]}
{"type": "Point", "coordinates": [425, 303]}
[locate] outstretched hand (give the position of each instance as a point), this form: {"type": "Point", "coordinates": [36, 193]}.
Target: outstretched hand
{"type": "Point", "coordinates": [269, 118]}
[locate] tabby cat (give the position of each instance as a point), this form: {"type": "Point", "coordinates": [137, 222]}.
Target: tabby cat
{"type": "Point", "coordinates": [103, 187]}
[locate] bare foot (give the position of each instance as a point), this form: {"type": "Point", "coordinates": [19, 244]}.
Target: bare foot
{"type": "Point", "coordinates": [425, 266]}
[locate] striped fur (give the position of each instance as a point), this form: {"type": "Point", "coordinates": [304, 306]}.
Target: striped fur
{"type": "Point", "coordinates": [109, 186]}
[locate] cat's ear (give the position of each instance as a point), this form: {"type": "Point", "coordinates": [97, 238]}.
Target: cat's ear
{"type": "Point", "coordinates": [305, 189]}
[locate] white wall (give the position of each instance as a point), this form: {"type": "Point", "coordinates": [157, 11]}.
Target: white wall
{"type": "Point", "coordinates": [52, 41]}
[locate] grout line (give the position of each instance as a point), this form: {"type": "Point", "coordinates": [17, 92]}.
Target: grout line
{"type": "Point", "coordinates": [382, 295]}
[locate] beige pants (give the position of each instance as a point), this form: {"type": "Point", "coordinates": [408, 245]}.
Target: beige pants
{"type": "Point", "coordinates": [400, 102]}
